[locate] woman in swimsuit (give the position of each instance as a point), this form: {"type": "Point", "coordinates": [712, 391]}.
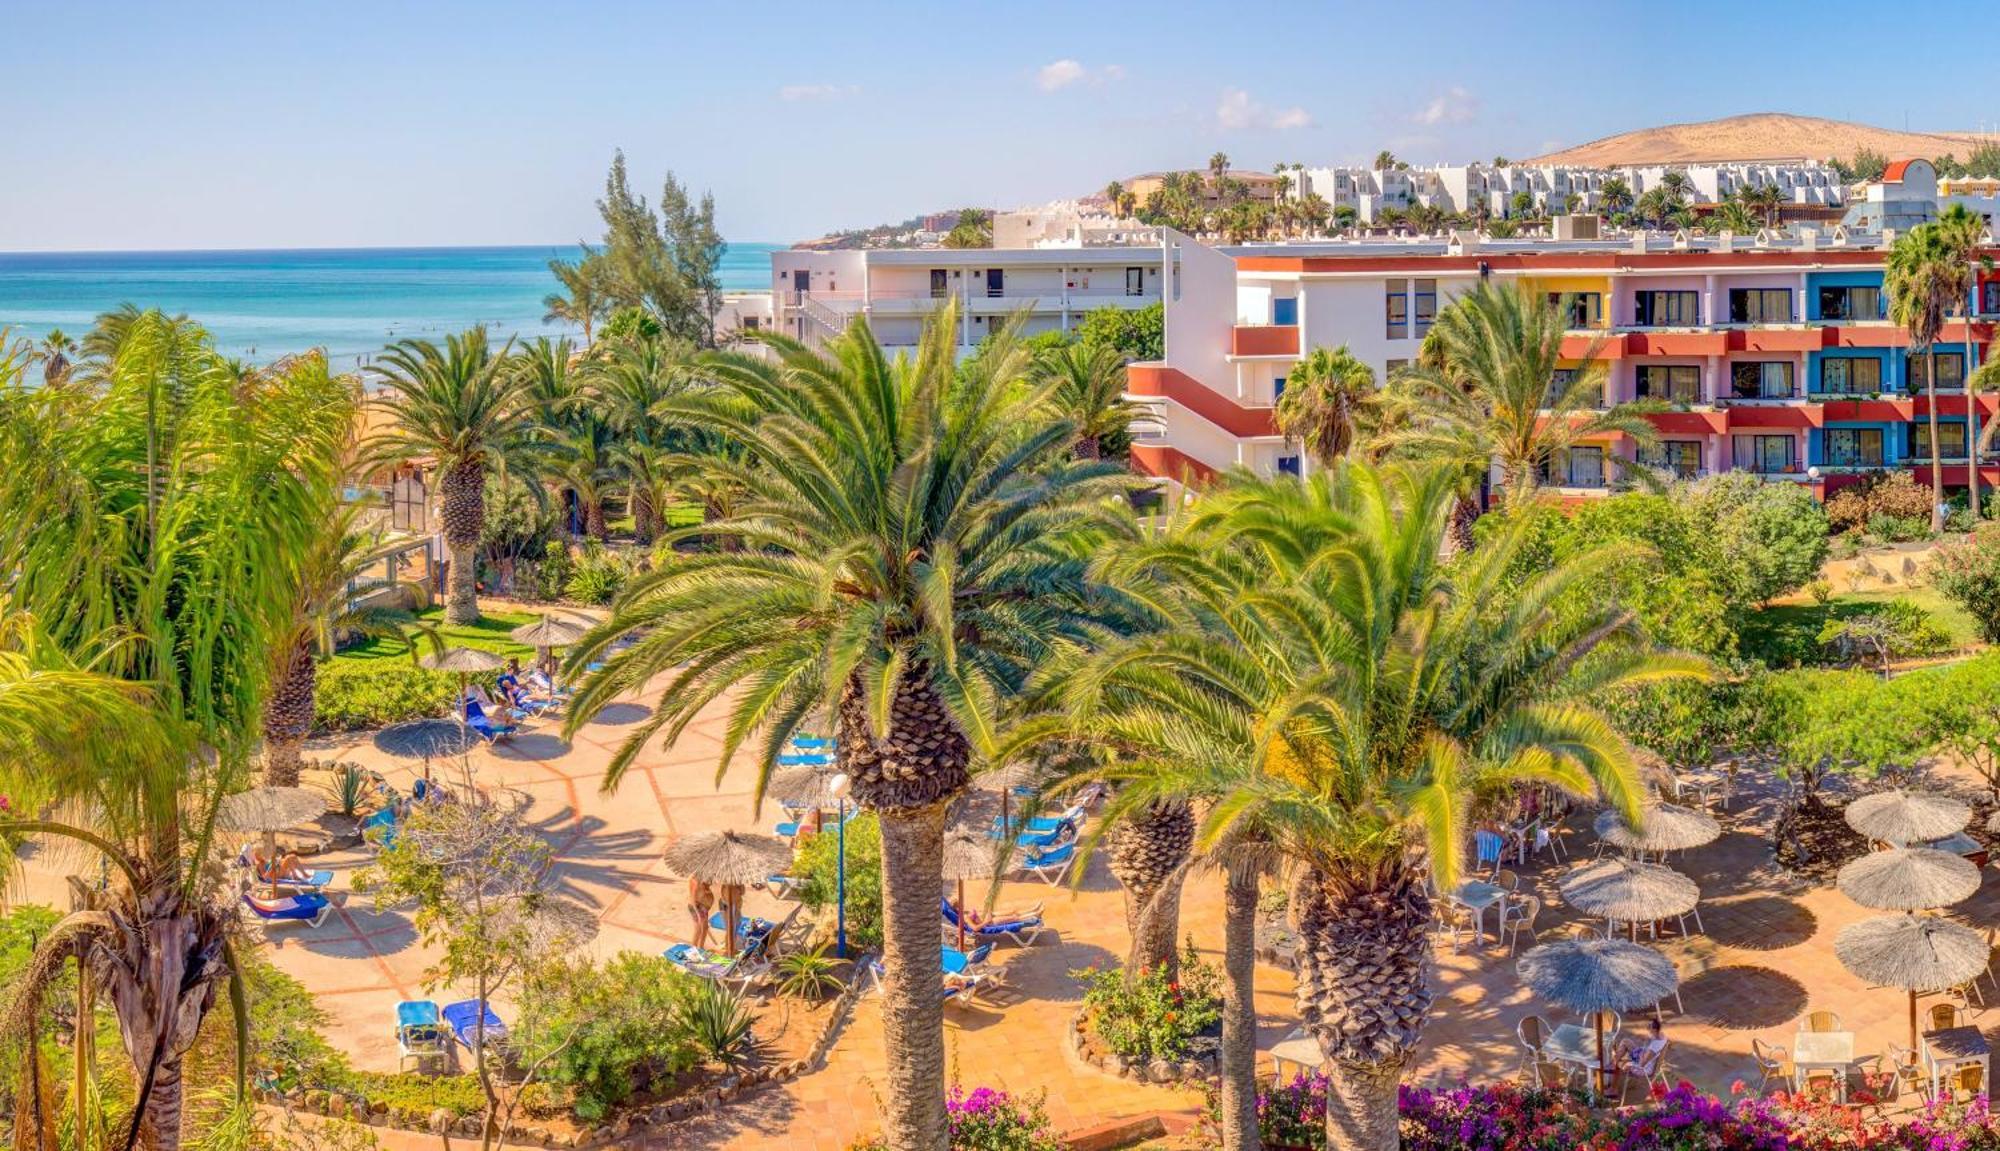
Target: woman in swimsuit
{"type": "Point", "coordinates": [701, 900]}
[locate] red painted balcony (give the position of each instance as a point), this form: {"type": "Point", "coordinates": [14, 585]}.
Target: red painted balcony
{"type": "Point", "coordinates": [1780, 340]}
{"type": "Point", "coordinates": [1690, 423]}
{"type": "Point", "coordinates": [1576, 345]}
{"type": "Point", "coordinates": [1265, 340]}
{"type": "Point", "coordinates": [1188, 392]}
{"type": "Point", "coordinates": [1676, 343]}
{"type": "Point", "coordinates": [1171, 463]}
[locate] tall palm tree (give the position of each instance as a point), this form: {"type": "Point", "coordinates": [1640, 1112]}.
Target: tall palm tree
{"type": "Point", "coordinates": [1149, 849]}
{"type": "Point", "coordinates": [630, 385]}
{"type": "Point", "coordinates": [465, 411]}
{"type": "Point", "coordinates": [150, 527]}
{"type": "Point", "coordinates": [1964, 232]}
{"type": "Point", "coordinates": [583, 298]}
{"type": "Point", "coordinates": [912, 543]}
{"type": "Point", "coordinates": [1764, 199]}
{"type": "Point", "coordinates": [583, 459]}
{"type": "Point", "coordinates": [57, 352]}
{"type": "Point", "coordinates": [1924, 274]}
{"type": "Point", "coordinates": [1323, 401]}
{"type": "Point", "coordinates": [1382, 698]}
{"type": "Point", "coordinates": [1615, 196]}
{"type": "Point", "coordinates": [1485, 390]}
{"type": "Point", "coordinates": [1086, 386]}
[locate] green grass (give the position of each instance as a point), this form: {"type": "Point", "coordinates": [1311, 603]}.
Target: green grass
{"type": "Point", "coordinates": [489, 634]}
{"type": "Point", "coordinates": [1783, 632]}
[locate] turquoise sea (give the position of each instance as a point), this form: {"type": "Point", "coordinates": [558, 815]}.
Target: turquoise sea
{"type": "Point", "coordinates": [259, 305]}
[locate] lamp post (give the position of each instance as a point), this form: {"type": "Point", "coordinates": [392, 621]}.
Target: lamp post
{"type": "Point", "coordinates": [838, 785]}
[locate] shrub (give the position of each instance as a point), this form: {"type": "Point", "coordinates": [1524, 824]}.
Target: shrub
{"type": "Point", "coordinates": [1968, 574]}
{"type": "Point", "coordinates": [807, 974]}
{"type": "Point", "coordinates": [1847, 509]}
{"type": "Point", "coordinates": [1898, 529]}
{"type": "Point", "coordinates": [286, 1047]}
{"type": "Point", "coordinates": [1771, 537]}
{"type": "Point", "coordinates": [719, 1022]}
{"type": "Point", "coordinates": [608, 1030]}
{"type": "Point", "coordinates": [1897, 627]}
{"type": "Point", "coordinates": [1900, 496]}
{"type": "Point", "coordinates": [351, 787]}
{"type": "Point", "coordinates": [989, 1120]}
{"type": "Point", "coordinates": [1821, 592]}
{"type": "Point", "coordinates": [597, 577]}
{"type": "Point", "coordinates": [354, 695]}
{"type": "Point", "coordinates": [815, 870]}
{"type": "Point", "coordinates": [1153, 1015]}
{"type": "Point", "coordinates": [553, 573]}
{"type": "Point", "coordinates": [416, 1095]}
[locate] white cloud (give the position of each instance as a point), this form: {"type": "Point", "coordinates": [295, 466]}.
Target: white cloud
{"type": "Point", "coordinates": [1065, 72]}
{"type": "Point", "coordinates": [796, 92]}
{"type": "Point", "coordinates": [1237, 111]}
{"type": "Point", "coordinates": [1455, 106]}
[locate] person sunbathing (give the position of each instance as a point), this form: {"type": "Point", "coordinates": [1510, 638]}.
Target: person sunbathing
{"type": "Point", "coordinates": [1016, 915]}
{"type": "Point", "coordinates": [284, 869]}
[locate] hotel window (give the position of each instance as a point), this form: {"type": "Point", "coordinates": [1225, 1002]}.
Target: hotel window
{"type": "Point", "coordinates": [1585, 468]}
{"type": "Point", "coordinates": [1760, 305]}
{"type": "Point", "coordinates": [1989, 298]}
{"type": "Point", "coordinates": [1951, 440]}
{"type": "Point", "coordinates": [1681, 457]}
{"type": "Point", "coordinates": [1765, 455]}
{"type": "Point", "coordinates": [1285, 311]}
{"type": "Point", "coordinates": [1288, 465]}
{"type": "Point", "coordinates": [1950, 369]}
{"type": "Point", "coordinates": [1585, 308]}
{"type": "Point", "coordinates": [1850, 375]}
{"type": "Point", "coordinates": [1427, 304]}
{"type": "Point", "coordinates": [1560, 382]}
{"type": "Point", "coordinates": [939, 286]}
{"type": "Point", "coordinates": [1770, 380]}
{"type": "Point", "coordinates": [1850, 303]}
{"type": "Point", "coordinates": [1674, 383]}
{"type": "Point", "coordinates": [1397, 301]}
{"type": "Point", "coordinates": [1135, 281]}
{"type": "Point", "coordinates": [1392, 368]}
{"type": "Point", "coordinates": [1666, 309]}
{"type": "Point", "coordinates": [1854, 447]}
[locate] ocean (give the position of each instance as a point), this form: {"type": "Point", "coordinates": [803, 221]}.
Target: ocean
{"type": "Point", "coordinates": [259, 305]}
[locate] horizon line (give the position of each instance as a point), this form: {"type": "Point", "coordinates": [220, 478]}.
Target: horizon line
{"type": "Point", "coordinates": [315, 248]}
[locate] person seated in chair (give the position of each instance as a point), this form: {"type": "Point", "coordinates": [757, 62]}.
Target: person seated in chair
{"type": "Point", "coordinates": [1632, 1056]}
{"type": "Point", "coordinates": [975, 920]}
{"type": "Point", "coordinates": [283, 869]}
{"type": "Point", "coordinates": [511, 688]}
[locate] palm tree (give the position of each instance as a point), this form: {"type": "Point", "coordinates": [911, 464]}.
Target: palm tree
{"type": "Point", "coordinates": [1218, 164]}
{"type": "Point", "coordinates": [583, 459]}
{"type": "Point", "coordinates": [1964, 232]}
{"type": "Point", "coordinates": [1322, 402]}
{"type": "Point", "coordinates": [912, 540]}
{"type": "Point", "coordinates": [1615, 196]}
{"type": "Point", "coordinates": [1733, 216]}
{"type": "Point", "coordinates": [1924, 274]}
{"type": "Point", "coordinates": [1149, 850]}
{"type": "Point", "coordinates": [150, 527]}
{"type": "Point", "coordinates": [630, 385]}
{"type": "Point", "coordinates": [1086, 386]}
{"type": "Point", "coordinates": [467, 412]}
{"type": "Point", "coordinates": [583, 298]}
{"type": "Point", "coordinates": [57, 352]}
{"type": "Point", "coordinates": [1366, 700]}
{"type": "Point", "coordinates": [1764, 199]}
{"type": "Point", "coordinates": [336, 556]}
{"type": "Point", "coordinates": [1486, 389]}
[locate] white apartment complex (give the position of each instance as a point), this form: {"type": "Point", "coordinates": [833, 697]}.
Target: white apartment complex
{"type": "Point", "coordinates": [1553, 189]}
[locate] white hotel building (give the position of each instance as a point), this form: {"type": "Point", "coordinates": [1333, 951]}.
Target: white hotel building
{"type": "Point", "coordinates": [1467, 187]}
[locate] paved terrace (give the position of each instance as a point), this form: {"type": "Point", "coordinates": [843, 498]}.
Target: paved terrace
{"type": "Point", "coordinates": [1765, 960]}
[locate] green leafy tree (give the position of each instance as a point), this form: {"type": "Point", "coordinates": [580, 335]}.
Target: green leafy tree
{"type": "Point", "coordinates": [465, 411]}
{"type": "Point", "coordinates": [1968, 574]}
{"type": "Point", "coordinates": [1770, 539]}
{"type": "Point", "coordinates": [1138, 334]}
{"type": "Point", "coordinates": [912, 545]}
{"type": "Point", "coordinates": [1851, 722]}
{"type": "Point", "coordinates": [583, 300]}
{"type": "Point", "coordinates": [1324, 402]}
{"type": "Point", "coordinates": [150, 524]}
{"type": "Point", "coordinates": [974, 229]}
{"type": "Point", "coordinates": [1961, 706]}
{"type": "Point", "coordinates": [666, 262]}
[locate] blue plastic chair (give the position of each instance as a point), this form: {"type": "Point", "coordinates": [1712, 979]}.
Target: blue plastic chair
{"type": "Point", "coordinates": [464, 1018]}
{"type": "Point", "coordinates": [420, 1033]}
{"type": "Point", "coordinates": [477, 720]}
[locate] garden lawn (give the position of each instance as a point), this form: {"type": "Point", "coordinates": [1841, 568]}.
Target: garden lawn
{"type": "Point", "coordinates": [1764, 630]}
{"type": "Point", "coordinates": [489, 634]}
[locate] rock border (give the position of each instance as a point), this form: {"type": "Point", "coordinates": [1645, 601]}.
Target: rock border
{"type": "Point", "coordinates": [1078, 1040]}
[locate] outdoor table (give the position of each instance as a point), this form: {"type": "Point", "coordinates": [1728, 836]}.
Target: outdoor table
{"type": "Point", "coordinates": [1476, 897]}
{"type": "Point", "coordinates": [1822, 1049]}
{"type": "Point", "coordinates": [1574, 1044]}
{"type": "Point", "coordinates": [1298, 1049]}
{"type": "Point", "coordinates": [1959, 843]}
{"type": "Point", "coordinates": [1952, 1048]}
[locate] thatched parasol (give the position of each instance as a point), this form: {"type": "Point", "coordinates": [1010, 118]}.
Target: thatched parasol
{"type": "Point", "coordinates": [547, 633]}
{"type": "Point", "coordinates": [552, 920]}
{"type": "Point", "coordinates": [1593, 975]}
{"type": "Point", "coordinates": [1004, 779]}
{"type": "Point", "coordinates": [1909, 879]}
{"type": "Point", "coordinates": [805, 788]}
{"type": "Point", "coordinates": [967, 855]}
{"type": "Point", "coordinates": [1633, 892]}
{"type": "Point", "coordinates": [1653, 768]}
{"type": "Point", "coordinates": [270, 810]}
{"type": "Point", "coordinates": [1901, 817]}
{"type": "Point", "coordinates": [1662, 827]}
{"type": "Point", "coordinates": [464, 662]}
{"type": "Point", "coordinates": [1917, 953]}
{"type": "Point", "coordinates": [731, 860]}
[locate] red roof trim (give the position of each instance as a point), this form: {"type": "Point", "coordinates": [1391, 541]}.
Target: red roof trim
{"type": "Point", "coordinates": [1893, 174]}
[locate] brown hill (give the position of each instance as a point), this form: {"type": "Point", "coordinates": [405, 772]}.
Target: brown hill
{"type": "Point", "coordinates": [1758, 136]}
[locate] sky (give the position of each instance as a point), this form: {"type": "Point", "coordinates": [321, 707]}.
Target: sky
{"type": "Point", "coordinates": [128, 126]}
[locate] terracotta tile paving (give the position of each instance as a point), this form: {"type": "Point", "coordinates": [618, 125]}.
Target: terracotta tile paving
{"type": "Point", "coordinates": [1765, 959]}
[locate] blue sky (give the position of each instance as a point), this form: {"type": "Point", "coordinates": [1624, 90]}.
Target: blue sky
{"type": "Point", "coordinates": [220, 125]}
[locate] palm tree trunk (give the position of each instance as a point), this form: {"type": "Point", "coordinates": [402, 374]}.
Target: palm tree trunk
{"type": "Point", "coordinates": [1361, 1106]}
{"type": "Point", "coordinates": [160, 1127]}
{"type": "Point", "coordinates": [1148, 852]}
{"type": "Point", "coordinates": [288, 715]}
{"type": "Point", "coordinates": [1087, 448]}
{"type": "Point", "coordinates": [913, 1116]}
{"type": "Point", "coordinates": [462, 512]}
{"type": "Point", "coordinates": [645, 522]}
{"type": "Point", "coordinates": [1239, 1010]}
{"type": "Point", "coordinates": [1937, 466]}
{"type": "Point", "coordinates": [593, 519]}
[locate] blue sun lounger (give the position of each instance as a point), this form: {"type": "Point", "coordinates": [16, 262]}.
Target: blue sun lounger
{"type": "Point", "coordinates": [1021, 929]}
{"type": "Point", "coordinates": [464, 1018]}
{"type": "Point", "coordinates": [805, 759]}
{"type": "Point", "coordinates": [420, 1034]}
{"type": "Point", "coordinates": [812, 743]}
{"type": "Point", "coordinates": [307, 907]}
{"type": "Point", "coordinates": [477, 720]}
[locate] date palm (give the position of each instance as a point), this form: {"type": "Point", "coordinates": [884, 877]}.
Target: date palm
{"type": "Point", "coordinates": [629, 383]}
{"type": "Point", "coordinates": [467, 412]}
{"type": "Point", "coordinates": [1354, 699]}
{"type": "Point", "coordinates": [911, 545]}
{"type": "Point", "coordinates": [1485, 390]}
{"type": "Point", "coordinates": [58, 352]}
{"type": "Point", "coordinates": [1924, 275]}
{"type": "Point", "coordinates": [1964, 232]}
{"type": "Point", "coordinates": [1323, 402]}
{"type": "Point", "coordinates": [150, 525]}
{"type": "Point", "coordinates": [1086, 386]}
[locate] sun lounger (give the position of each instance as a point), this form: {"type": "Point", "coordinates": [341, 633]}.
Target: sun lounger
{"type": "Point", "coordinates": [312, 881]}
{"type": "Point", "coordinates": [306, 907]}
{"type": "Point", "coordinates": [1050, 865]}
{"type": "Point", "coordinates": [959, 987]}
{"type": "Point", "coordinates": [380, 828]}
{"type": "Point", "coordinates": [782, 886]}
{"type": "Point", "coordinates": [812, 743]}
{"type": "Point", "coordinates": [747, 968]}
{"type": "Point", "coordinates": [477, 720]}
{"type": "Point", "coordinates": [419, 1033]}
{"type": "Point", "coordinates": [747, 926]}
{"type": "Point", "coordinates": [805, 759]}
{"type": "Point", "coordinates": [464, 1018]}
{"type": "Point", "coordinates": [1020, 928]}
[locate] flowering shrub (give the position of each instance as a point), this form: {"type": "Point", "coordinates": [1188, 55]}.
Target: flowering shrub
{"type": "Point", "coordinates": [1153, 1016]}
{"type": "Point", "coordinates": [988, 1120]}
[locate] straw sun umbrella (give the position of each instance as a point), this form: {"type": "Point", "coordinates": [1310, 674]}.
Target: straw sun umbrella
{"type": "Point", "coordinates": [547, 633]}
{"type": "Point", "coordinates": [1902, 817]}
{"type": "Point", "coordinates": [1636, 893]}
{"type": "Point", "coordinates": [732, 860]}
{"type": "Point", "coordinates": [1918, 953]}
{"type": "Point", "coordinates": [464, 662]}
{"type": "Point", "coordinates": [1594, 975]}
{"type": "Point", "coordinates": [1909, 879]}
{"type": "Point", "coordinates": [967, 855]}
{"type": "Point", "coordinates": [1662, 827]}
{"type": "Point", "coordinates": [270, 810]}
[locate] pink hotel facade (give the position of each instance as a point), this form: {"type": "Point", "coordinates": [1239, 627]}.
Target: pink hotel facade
{"type": "Point", "coordinates": [1773, 357]}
